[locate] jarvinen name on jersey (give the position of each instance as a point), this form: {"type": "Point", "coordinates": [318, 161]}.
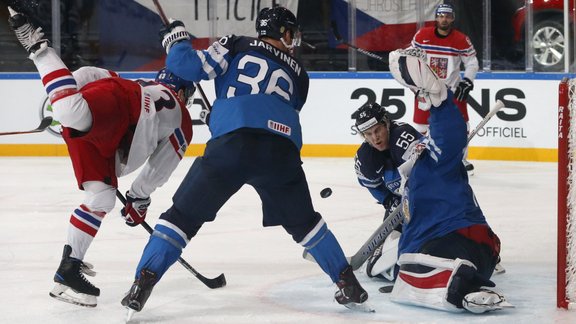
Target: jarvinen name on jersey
{"type": "Point", "coordinates": [280, 54]}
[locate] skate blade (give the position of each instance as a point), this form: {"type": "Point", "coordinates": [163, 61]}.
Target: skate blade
{"type": "Point", "coordinates": [499, 269]}
{"type": "Point", "coordinates": [130, 312]}
{"type": "Point", "coordinates": [364, 307]}
{"type": "Point", "coordinates": [67, 295]}
{"type": "Point", "coordinates": [485, 309]}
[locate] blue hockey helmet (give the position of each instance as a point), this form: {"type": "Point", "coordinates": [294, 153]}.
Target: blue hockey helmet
{"type": "Point", "coordinates": [274, 22]}
{"type": "Point", "coordinates": [445, 9]}
{"type": "Point", "coordinates": [171, 80]}
{"type": "Point", "coordinates": [369, 115]}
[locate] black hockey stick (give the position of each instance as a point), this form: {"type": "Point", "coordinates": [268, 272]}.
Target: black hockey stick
{"type": "Point", "coordinates": [357, 49]}
{"type": "Point", "coordinates": [166, 22]}
{"type": "Point", "coordinates": [45, 123]}
{"type": "Point", "coordinates": [213, 283]}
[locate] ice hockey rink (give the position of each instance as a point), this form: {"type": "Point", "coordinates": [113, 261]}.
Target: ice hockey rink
{"type": "Point", "coordinates": [268, 281]}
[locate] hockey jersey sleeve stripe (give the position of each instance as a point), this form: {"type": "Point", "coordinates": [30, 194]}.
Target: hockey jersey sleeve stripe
{"type": "Point", "coordinates": [218, 53]}
{"type": "Point", "coordinates": [446, 50]}
{"type": "Point", "coordinates": [178, 142]}
{"type": "Point", "coordinates": [206, 67]}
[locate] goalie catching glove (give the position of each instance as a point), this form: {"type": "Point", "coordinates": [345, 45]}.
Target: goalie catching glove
{"type": "Point", "coordinates": [134, 212]}
{"type": "Point", "coordinates": [173, 33]}
{"type": "Point", "coordinates": [409, 68]}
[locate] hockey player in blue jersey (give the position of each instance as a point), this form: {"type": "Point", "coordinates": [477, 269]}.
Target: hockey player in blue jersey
{"type": "Point", "coordinates": [256, 140]}
{"type": "Point", "coordinates": [447, 251]}
{"type": "Point", "coordinates": [376, 163]}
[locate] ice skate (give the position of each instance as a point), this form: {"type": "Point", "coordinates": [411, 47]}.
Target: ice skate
{"type": "Point", "coordinates": [485, 301]}
{"type": "Point", "coordinates": [350, 293]}
{"type": "Point", "coordinates": [31, 38]}
{"type": "Point", "coordinates": [71, 285]}
{"type": "Point", "coordinates": [139, 292]}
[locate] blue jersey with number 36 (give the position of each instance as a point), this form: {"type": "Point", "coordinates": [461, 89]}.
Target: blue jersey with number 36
{"type": "Point", "coordinates": [257, 85]}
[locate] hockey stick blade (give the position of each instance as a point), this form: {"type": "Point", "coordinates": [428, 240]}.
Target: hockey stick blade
{"type": "Point", "coordinates": [211, 283]}
{"type": "Point", "coordinates": [496, 108]}
{"type": "Point", "coordinates": [45, 123]}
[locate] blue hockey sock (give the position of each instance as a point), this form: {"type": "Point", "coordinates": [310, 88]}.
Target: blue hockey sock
{"type": "Point", "coordinates": [162, 250]}
{"type": "Point", "coordinates": [326, 251]}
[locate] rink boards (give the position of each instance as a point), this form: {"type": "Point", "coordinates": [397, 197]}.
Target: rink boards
{"type": "Point", "coordinates": [526, 130]}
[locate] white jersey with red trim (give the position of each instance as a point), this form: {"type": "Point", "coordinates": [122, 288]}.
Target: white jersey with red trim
{"type": "Point", "coordinates": [446, 53]}
{"type": "Point", "coordinates": [160, 138]}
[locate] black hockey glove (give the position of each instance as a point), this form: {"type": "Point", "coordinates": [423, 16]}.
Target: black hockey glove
{"type": "Point", "coordinates": [134, 212]}
{"type": "Point", "coordinates": [173, 33]}
{"type": "Point", "coordinates": [390, 204]}
{"type": "Point", "coordinates": [464, 87]}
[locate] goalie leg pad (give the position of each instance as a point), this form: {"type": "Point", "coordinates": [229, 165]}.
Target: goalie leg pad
{"type": "Point", "coordinates": [409, 68]}
{"type": "Point", "coordinates": [434, 282]}
{"type": "Point", "coordinates": [383, 261]}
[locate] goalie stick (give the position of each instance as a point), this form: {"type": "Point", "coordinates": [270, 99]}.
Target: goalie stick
{"type": "Point", "coordinates": [395, 218]}
{"type": "Point", "coordinates": [166, 22]}
{"type": "Point", "coordinates": [44, 123]}
{"type": "Point", "coordinates": [213, 283]}
{"type": "Point", "coordinates": [497, 106]}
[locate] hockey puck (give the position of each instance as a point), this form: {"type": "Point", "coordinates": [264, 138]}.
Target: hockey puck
{"type": "Point", "coordinates": [386, 289]}
{"type": "Point", "coordinates": [326, 192]}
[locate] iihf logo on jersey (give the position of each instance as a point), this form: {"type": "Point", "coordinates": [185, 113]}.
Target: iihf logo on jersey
{"type": "Point", "coordinates": [45, 111]}
{"type": "Point", "coordinates": [279, 127]}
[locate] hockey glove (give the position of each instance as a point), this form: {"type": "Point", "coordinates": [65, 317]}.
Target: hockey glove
{"type": "Point", "coordinates": [134, 212]}
{"type": "Point", "coordinates": [464, 87]}
{"type": "Point", "coordinates": [173, 33]}
{"type": "Point", "coordinates": [390, 204]}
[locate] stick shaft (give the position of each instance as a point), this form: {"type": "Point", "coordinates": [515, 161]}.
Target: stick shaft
{"type": "Point", "coordinates": [377, 238]}
{"type": "Point", "coordinates": [497, 106]}
{"type": "Point", "coordinates": [166, 22]}
{"type": "Point", "coordinates": [217, 282]}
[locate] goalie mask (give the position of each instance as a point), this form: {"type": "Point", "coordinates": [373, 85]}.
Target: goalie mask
{"type": "Point", "coordinates": [176, 83]}
{"type": "Point", "coordinates": [369, 115]}
{"type": "Point", "coordinates": [274, 22]}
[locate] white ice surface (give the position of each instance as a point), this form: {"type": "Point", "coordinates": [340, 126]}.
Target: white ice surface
{"type": "Point", "coordinates": [268, 281]}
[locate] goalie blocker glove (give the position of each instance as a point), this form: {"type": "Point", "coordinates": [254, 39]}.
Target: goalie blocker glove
{"type": "Point", "coordinates": [173, 33]}
{"type": "Point", "coordinates": [464, 87]}
{"type": "Point", "coordinates": [134, 212]}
